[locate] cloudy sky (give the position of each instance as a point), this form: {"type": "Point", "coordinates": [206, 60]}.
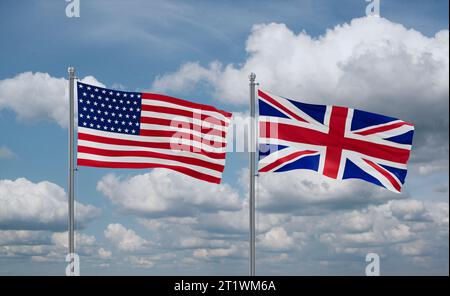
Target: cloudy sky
{"type": "Point", "coordinates": [158, 222]}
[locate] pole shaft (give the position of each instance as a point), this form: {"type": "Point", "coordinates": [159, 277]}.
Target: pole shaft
{"type": "Point", "coordinates": [71, 198]}
{"type": "Point", "coordinates": [252, 150]}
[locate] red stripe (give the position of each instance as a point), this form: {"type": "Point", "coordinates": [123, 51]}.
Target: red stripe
{"type": "Point", "coordinates": [183, 124]}
{"type": "Point", "coordinates": [166, 145]}
{"type": "Point", "coordinates": [181, 135]}
{"type": "Point", "coordinates": [184, 113]}
{"type": "Point", "coordinates": [385, 173]}
{"type": "Point", "coordinates": [277, 104]}
{"type": "Point", "coordinates": [382, 128]}
{"type": "Point", "coordinates": [282, 160]}
{"type": "Point", "coordinates": [125, 165]}
{"type": "Point", "coordinates": [163, 98]}
{"type": "Point", "coordinates": [131, 153]}
{"type": "Point", "coordinates": [336, 135]}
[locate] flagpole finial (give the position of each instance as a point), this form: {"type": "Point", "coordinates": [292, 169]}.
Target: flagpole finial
{"type": "Point", "coordinates": [252, 77]}
{"type": "Point", "coordinates": [71, 70]}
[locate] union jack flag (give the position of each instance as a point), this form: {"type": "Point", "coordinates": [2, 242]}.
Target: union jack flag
{"type": "Point", "coordinates": [338, 142]}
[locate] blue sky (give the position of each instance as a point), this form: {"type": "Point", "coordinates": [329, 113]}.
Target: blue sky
{"type": "Point", "coordinates": [144, 45]}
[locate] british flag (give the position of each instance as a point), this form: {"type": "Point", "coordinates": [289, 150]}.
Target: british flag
{"type": "Point", "coordinates": [338, 142]}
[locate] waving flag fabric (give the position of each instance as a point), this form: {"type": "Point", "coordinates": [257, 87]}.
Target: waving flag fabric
{"type": "Point", "coordinates": [118, 129]}
{"type": "Point", "coordinates": [338, 142]}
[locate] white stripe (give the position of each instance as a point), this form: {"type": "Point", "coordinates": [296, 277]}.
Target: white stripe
{"type": "Point", "coordinates": [171, 140]}
{"type": "Point", "coordinates": [112, 147]}
{"type": "Point", "coordinates": [377, 175]}
{"type": "Point", "coordinates": [217, 115]}
{"type": "Point", "coordinates": [122, 159]}
{"type": "Point", "coordinates": [204, 136]}
{"type": "Point", "coordinates": [202, 123]}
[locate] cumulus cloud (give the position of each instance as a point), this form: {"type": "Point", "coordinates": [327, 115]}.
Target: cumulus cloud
{"type": "Point", "coordinates": [38, 96]}
{"type": "Point", "coordinates": [166, 193]}
{"type": "Point", "coordinates": [370, 63]}
{"type": "Point", "coordinates": [124, 239]}
{"type": "Point", "coordinates": [25, 205]}
{"type": "Point", "coordinates": [277, 239]}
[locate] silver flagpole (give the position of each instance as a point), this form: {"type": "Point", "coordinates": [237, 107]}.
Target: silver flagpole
{"type": "Point", "coordinates": [252, 150]}
{"type": "Point", "coordinates": [71, 71]}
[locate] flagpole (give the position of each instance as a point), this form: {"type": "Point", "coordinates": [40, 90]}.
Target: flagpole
{"type": "Point", "coordinates": [252, 150]}
{"type": "Point", "coordinates": [71, 199]}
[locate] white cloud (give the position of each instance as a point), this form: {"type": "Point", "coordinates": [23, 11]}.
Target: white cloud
{"type": "Point", "coordinates": [27, 205]}
{"type": "Point", "coordinates": [166, 193]}
{"type": "Point", "coordinates": [6, 153]}
{"type": "Point", "coordinates": [104, 254]}
{"type": "Point", "coordinates": [38, 96]}
{"type": "Point", "coordinates": [277, 239]}
{"type": "Point", "coordinates": [124, 239]}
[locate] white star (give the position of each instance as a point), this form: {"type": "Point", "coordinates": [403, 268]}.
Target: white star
{"type": "Point", "coordinates": [99, 97]}
{"type": "Point", "coordinates": [96, 90]}
{"type": "Point", "coordinates": [91, 125]}
{"type": "Point", "coordinates": [105, 127]}
{"type": "Point", "coordinates": [106, 112]}
{"type": "Point", "coordinates": [119, 129]}
{"type": "Point", "coordinates": [138, 96]}
{"type": "Point", "coordinates": [98, 125]}
{"type": "Point", "coordinates": [130, 123]}
{"type": "Point", "coordinates": [126, 130]}
{"type": "Point", "coordinates": [95, 103]}
{"type": "Point", "coordinates": [80, 85]}
{"type": "Point", "coordinates": [120, 115]}
{"type": "Point", "coordinates": [112, 128]}
{"type": "Point", "coordinates": [81, 100]}
{"type": "Point", "coordinates": [109, 106]}
{"type": "Point", "coordinates": [132, 95]}
{"type": "Point", "coordinates": [113, 114]}
{"type": "Point", "coordinates": [135, 103]}
{"type": "Point", "coordinates": [84, 108]}
{"type": "Point", "coordinates": [103, 105]}
{"type": "Point", "coordinates": [131, 109]}
{"type": "Point", "coordinates": [101, 119]}
{"type": "Point", "coordinates": [114, 100]}
{"type": "Point", "coordinates": [133, 131]}
{"type": "Point", "coordinates": [88, 102]}
{"type": "Point", "coordinates": [118, 94]}
{"type": "Point", "coordinates": [121, 101]}
{"type": "Point", "coordinates": [128, 102]}
{"type": "Point", "coordinates": [89, 88]}
{"type": "Point", "coordinates": [109, 120]}
{"type": "Point", "coordinates": [92, 96]}
{"type": "Point", "coordinates": [116, 122]}
{"type": "Point", "coordinates": [95, 117]}
{"type": "Point", "coordinates": [88, 116]}
{"type": "Point", "coordinates": [107, 99]}
{"type": "Point", "coordinates": [84, 123]}
{"type": "Point", "coordinates": [92, 110]}
{"type": "Point", "coordinates": [98, 111]}
{"type": "Point", "coordinates": [127, 116]}
{"type": "Point", "coordinates": [138, 109]}
{"type": "Point", "coordinates": [84, 94]}
{"type": "Point", "coordinates": [134, 116]}
{"type": "Point", "coordinates": [110, 92]}
{"type": "Point", "coordinates": [123, 122]}
{"type": "Point", "coordinates": [103, 91]}
{"type": "Point", "coordinates": [81, 115]}
{"type": "Point", "coordinates": [137, 123]}
{"type": "Point", "coordinates": [117, 107]}
{"type": "Point", "coordinates": [124, 108]}
{"type": "Point", "coordinates": [125, 95]}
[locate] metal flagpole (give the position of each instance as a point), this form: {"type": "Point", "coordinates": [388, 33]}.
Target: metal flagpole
{"type": "Point", "coordinates": [252, 150]}
{"type": "Point", "coordinates": [71, 71]}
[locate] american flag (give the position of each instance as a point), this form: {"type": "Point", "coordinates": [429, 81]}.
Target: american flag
{"type": "Point", "coordinates": [338, 142]}
{"type": "Point", "coordinates": [119, 129]}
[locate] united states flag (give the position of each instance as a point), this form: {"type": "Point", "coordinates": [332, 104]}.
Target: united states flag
{"type": "Point", "coordinates": [338, 142]}
{"type": "Point", "coordinates": [118, 129]}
